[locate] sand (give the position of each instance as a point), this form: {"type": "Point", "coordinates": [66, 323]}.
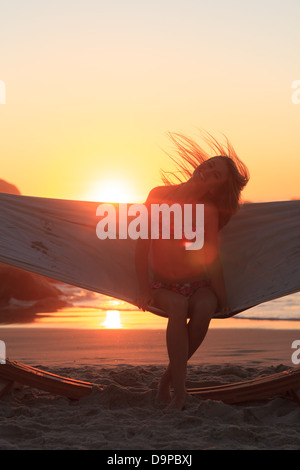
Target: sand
{"type": "Point", "coordinates": [124, 416]}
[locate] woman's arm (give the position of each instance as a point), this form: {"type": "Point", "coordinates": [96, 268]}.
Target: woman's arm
{"type": "Point", "coordinates": [141, 264]}
{"type": "Point", "coordinates": [141, 267]}
{"type": "Point", "coordinates": [212, 258]}
{"type": "Point", "coordinates": [218, 284]}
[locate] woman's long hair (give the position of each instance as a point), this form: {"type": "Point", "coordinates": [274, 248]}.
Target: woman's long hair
{"type": "Point", "coordinates": [191, 155]}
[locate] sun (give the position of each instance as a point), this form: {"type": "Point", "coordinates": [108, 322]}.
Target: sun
{"type": "Point", "coordinates": [112, 319]}
{"type": "Point", "coordinates": [111, 190]}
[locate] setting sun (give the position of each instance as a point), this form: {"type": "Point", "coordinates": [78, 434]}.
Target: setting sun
{"type": "Point", "coordinates": [112, 319]}
{"type": "Point", "coordinates": [111, 190]}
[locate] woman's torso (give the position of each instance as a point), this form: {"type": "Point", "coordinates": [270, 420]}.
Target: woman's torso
{"type": "Point", "coordinates": [169, 260]}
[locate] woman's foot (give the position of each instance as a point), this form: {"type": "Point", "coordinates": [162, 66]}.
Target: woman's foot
{"type": "Point", "coordinates": [178, 402]}
{"type": "Point", "coordinates": [163, 393]}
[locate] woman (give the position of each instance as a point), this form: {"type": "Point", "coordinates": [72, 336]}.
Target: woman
{"type": "Point", "coordinates": [188, 285]}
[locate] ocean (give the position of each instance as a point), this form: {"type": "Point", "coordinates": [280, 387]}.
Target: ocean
{"type": "Point", "coordinates": [90, 310]}
{"type": "Point", "coordinates": [82, 334]}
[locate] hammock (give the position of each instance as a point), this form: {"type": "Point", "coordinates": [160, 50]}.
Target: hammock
{"type": "Point", "coordinates": [259, 249]}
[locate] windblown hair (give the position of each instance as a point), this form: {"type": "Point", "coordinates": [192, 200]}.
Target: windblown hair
{"type": "Point", "coordinates": [191, 155]}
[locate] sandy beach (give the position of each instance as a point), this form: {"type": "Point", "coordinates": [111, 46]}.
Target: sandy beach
{"type": "Point", "coordinates": [124, 415]}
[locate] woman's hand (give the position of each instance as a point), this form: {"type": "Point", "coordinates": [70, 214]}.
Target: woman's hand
{"type": "Point", "coordinates": [144, 299]}
{"type": "Point", "coordinates": [225, 310]}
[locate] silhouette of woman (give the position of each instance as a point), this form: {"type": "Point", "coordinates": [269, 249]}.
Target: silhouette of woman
{"type": "Point", "coordinates": [188, 285]}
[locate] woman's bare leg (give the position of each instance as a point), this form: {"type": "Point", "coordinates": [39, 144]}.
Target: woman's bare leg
{"type": "Point", "coordinates": [177, 344]}
{"type": "Point", "coordinates": [176, 306]}
{"type": "Point", "coordinates": [202, 306]}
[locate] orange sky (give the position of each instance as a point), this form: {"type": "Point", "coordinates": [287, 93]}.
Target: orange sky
{"type": "Point", "coordinates": [92, 88]}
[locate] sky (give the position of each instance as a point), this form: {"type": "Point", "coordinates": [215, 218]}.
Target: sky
{"type": "Point", "coordinates": [90, 89]}
{"type": "Point", "coordinates": [93, 87]}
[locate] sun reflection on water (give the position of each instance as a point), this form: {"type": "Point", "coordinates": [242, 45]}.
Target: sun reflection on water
{"type": "Point", "coordinates": [112, 319]}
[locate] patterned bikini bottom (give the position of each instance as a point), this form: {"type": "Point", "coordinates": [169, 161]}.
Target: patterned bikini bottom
{"type": "Point", "coordinates": [184, 288]}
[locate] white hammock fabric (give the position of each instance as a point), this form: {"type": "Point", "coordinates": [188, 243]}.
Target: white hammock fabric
{"type": "Point", "coordinates": [259, 249]}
